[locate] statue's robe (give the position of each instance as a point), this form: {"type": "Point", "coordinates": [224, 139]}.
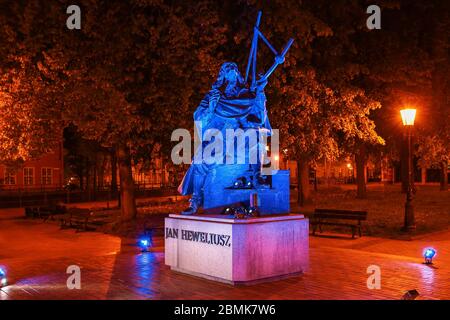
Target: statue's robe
{"type": "Point", "coordinates": [245, 110]}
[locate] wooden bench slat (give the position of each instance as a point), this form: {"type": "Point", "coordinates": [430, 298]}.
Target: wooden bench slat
{"type": "Point", "coordinates": [340, 211]}
{"type": "Point", "coordinates": [335, 224]}
{"type": "Point", "coordinates": [334, 217]}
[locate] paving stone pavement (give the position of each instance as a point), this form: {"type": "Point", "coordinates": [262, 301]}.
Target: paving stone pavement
{"type": "Point", "coordinates": [36, 256]}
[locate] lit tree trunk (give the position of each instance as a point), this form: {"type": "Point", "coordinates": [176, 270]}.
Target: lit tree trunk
{"type": "Point", "coordinates": [127, 199]}
{"type": "Point", "coordinates": [113, 171]}
{"type": "Point", "coordinates": [423, 173]}
{"type": "Point", "coordinates": [304, 193]}
{"type": "Point", "coordinates": [444, 176]}
{"type": "Point", "coordinates": [360, 159]}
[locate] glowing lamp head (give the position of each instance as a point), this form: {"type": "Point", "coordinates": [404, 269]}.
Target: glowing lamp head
{"type": "Point", "coordinates": [277, 158]}
{"type": "Point", "coordinates": [408, 116]}
{"type": "Point", "coordinates": [429, 254]}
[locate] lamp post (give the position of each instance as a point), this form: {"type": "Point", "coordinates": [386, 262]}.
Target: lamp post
{"type": "Point", "coordinates": [408, 116]}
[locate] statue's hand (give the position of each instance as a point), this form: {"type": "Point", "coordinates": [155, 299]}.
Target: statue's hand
{"type": "Point", "coordinates": [213, 100]}
{"type": "Point", "coordinates": [279, 59]}
{"type": "Point", "coordinates": [260, 85]}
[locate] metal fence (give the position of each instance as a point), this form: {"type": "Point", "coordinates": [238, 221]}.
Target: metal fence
{"type": "Point", "coordinates": [23, 197]}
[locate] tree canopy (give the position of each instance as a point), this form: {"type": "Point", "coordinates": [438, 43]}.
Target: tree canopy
{"type": "Point", "coordinates": [137, 69]}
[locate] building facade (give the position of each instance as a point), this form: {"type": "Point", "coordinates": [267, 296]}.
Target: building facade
{"type": "Point", "coordinates": [45, 173]}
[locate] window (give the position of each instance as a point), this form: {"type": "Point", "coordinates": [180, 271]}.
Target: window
{"type": "Point", "coordinates": [46, 175]}
{"type": "Point", "coordinates": [10, 176]}
{"type": "Point", "coordinates": [28, 176]}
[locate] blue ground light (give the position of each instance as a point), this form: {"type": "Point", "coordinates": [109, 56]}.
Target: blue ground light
{"type": "Point", "coordinates": [429, 254]}
{"type": "Point", "coordinates": [3, 280]}
{"type": "Point", "coordinates": [145, 242]}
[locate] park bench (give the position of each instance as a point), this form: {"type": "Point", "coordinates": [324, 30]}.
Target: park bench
{"type": "Point", "coordinates": [335, 217]}
{"type": "Point", "coordinates": [86, 219]}
{"type": "Point", "coordinates": [100, 218]}
{"type": "Point", "coordinates": [44, 212]}
{"type": "Point", "coordinates": [76, 218]}
{"type": "Point", "coordinates": [153, 230]}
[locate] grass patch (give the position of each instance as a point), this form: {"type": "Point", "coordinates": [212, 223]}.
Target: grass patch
{"type": "Point", "coordinates": [385, 207]}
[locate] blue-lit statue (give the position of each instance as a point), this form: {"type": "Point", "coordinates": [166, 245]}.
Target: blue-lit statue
{"type": "Point", "coordinates": [230, 104]}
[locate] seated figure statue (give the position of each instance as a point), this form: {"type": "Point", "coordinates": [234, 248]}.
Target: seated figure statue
{"type": "Point", "coordinates": [228, 105]}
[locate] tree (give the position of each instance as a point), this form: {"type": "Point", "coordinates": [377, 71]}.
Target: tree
{"type": "Point", "coordinates": [146, 70]}
{"type": "Point", "coordinates": [30, 124]}
{"type": "Point", "coordinates": [125, 80]}
{"type": "Point", "coordinates": [437, 140]}
{"type": "Point", "coordinates": [400, 71]}
{"type": "Point", "coordinates": [420, 56]}
{"type": "Point", "coordinates": [318, 101]}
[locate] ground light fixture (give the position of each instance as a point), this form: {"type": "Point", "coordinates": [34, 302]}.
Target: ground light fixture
{"type": "Point", "coordinates": [429, 254]}
{"type": "Point", "coordinates": [145, 242]}
{"type": "Point", "coordinates": [411, 295]}
{"type": "Point", "coordinates": [3, 279]}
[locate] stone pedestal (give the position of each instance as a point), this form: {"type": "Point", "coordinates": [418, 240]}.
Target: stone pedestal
{"type": "Point", "coordinates": [237, 251]}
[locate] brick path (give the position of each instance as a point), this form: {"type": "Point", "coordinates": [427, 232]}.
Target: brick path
{"type": "Point", "coordinates": [37, 254]}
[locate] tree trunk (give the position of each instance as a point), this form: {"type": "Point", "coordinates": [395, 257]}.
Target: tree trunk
{"type": "Point", "coordinates": [113, 171]}
{"type": "Point", "coordinates": [361, 174]}
{"type": "Point", "coordinates": [88, 180]}
{"type": "Point", "coordinates": [94, 176]}
{"type": "Point", "coordinates": [81, 178]}
{"type": "Point", "coordinates": [304, 193]}
{"type": "Point", "coordinates": [423, 174]}
{"type": "Point", "coordinates": [101, 172]}
{"type": "Point", "coordinates": [127, 199]}
{"type": "Point", "coordinates": [444, 176]}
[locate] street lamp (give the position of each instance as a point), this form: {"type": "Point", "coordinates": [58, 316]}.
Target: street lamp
{"type": "Point", "coordinates": [408, 116]}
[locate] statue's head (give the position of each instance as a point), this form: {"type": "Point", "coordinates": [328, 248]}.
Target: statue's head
{"type": "Point", "coordinates": [229, 72]}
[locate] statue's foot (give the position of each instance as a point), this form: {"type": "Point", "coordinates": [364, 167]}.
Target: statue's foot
{"type": "Point", "coordinates": [194, 204]}
{"type": "Point", "coordinates": [189, 211]}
